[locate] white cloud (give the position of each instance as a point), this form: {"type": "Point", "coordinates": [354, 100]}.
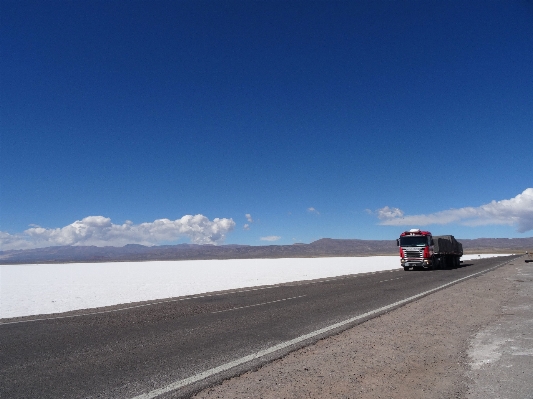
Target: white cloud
{"type": "Point", "coordinates": [249, 219]}
{"type": "Point", "coordinates": [270, 238]}
{"type": "Point", "coordinates": [313, 210]}
{"type": "Point", "coordinates": [99, 231]}
{"type": "Point", "coordinates": [387, 213]}
{"type": "Point", "coordinates": [8, 241]}
{"type": "Point", "coordinates": [517, 211]}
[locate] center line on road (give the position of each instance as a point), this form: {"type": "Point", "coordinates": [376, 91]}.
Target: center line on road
{"type": "Point", "coordinates": [259, 304]}
{"type": "Point", "coordinates": [390, 279]}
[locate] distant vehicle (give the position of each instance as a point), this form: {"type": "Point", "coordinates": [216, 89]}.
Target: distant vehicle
{"type": "Point", "coordinates": [422, 249]}
{"type": "Point", "coordinates": [529, 257]}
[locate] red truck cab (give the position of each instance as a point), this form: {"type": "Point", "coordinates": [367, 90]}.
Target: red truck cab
{"type": "Point", "coordinates": [416, 249]}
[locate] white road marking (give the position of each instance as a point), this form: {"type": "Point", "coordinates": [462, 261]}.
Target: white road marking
{"type": "Point", "coordinates": [254, 356]}
{"type": "Point", "coordinates": [259, 304]}
{"type": "Point", "coordinates": [390, 279]}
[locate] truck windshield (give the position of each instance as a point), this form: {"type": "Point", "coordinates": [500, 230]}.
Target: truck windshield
{"type": "Point", "coordinates": [413, 241]}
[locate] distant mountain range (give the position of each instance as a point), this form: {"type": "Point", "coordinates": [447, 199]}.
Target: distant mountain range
{"type": "Point", "coordinates": [322, 248]}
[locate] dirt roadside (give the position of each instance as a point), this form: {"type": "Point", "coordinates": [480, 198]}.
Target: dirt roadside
{"type": "Point", "coordinates": [418, 351]}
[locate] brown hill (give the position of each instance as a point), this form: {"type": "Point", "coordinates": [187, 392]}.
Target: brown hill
{"type": "Point", "coordinates": [324, 247]}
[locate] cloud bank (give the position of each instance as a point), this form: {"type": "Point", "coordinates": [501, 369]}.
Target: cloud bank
{"type": "Point", "coordinates": [99, 231]}
{"type": "Point", "coordinates": [517, 211]}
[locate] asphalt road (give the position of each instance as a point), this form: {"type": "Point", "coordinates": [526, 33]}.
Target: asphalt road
{"type": "Point", "coordinates": [134, 352]}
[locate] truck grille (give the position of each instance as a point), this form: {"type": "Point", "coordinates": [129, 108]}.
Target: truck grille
{"type": "Point", "coordinates": [414, 254]}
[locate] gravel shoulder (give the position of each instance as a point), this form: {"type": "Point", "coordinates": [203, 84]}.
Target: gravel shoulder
{"type": "Point", "coordinates": [501, 353]}
{"type": "Point", "coordinates": [426, 349]}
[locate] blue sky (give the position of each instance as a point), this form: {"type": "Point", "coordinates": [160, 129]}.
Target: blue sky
{"type": "Point", "coordinates": [317, 119]}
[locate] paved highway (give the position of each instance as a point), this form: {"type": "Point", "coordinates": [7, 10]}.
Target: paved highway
{"type": "Point", "coordinates": [171, 349]}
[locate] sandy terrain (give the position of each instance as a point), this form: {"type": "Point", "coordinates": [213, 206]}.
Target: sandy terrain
{"type": "Point", "coordinates": [418, 351]}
